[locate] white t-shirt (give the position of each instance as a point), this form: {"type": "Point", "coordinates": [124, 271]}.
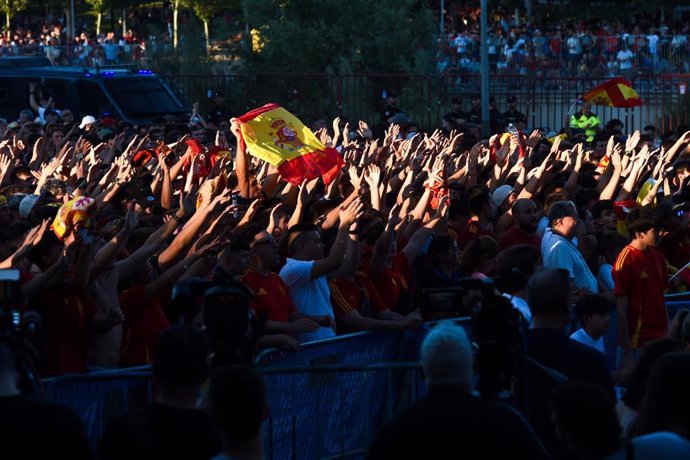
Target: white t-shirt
{"type": "Point", "coordinates": [311, 297]}
{"type": "Point", "coordinates": [557, 252]}
{"type": "Point", "coordinates": [521, 306]}
{"type": "Point", "coordinates": [574, 45]}
{"type": "Point", "coordinates": [581, 336]}
{"type": "Point", "coordinates": [652, 41]}
{"type": "Point", "coordinates": [625, 58]}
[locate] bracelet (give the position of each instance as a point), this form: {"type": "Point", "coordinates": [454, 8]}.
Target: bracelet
{"type": "Point", "coordinates": [352, 232]}
{"type": "Point", "coordinates": [176, 217]}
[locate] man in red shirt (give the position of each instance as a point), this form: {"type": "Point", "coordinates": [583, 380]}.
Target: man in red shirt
{"type": "Point", "coordinates": [271, 296]}
{"type": "Point", "coordinates": [640, 278]}
{"type": "Point", "coordinates": [525, 229]}
{"type": "Point", "coordinates": [358, 306]}
{"type": "Point", "coordinates": [482, 211]}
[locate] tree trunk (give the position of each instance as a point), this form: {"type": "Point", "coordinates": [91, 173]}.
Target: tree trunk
{"type": "Point", "coordinates": [98, 23]}
{"type": "Point", "coordinates": [7, 17]}
{"type": "Point", "coordinates": [175, 13]}
{"type": "Point", "coordinates": [208, 39]}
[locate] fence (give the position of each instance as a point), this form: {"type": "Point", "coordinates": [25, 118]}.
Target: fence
{"type": "Point", "coordinates": [589, 53]}
{"type": "Point", "coordinates": [545, 101]}
{"type": "Point", "coordinates": [326, 401]}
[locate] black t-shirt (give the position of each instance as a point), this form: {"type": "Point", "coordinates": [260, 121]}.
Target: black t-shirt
{"type": "Point", "coordinates": [159, 431]}
{"type": "Point", "coordinates": [389, 111]}
{"type": "Point", "coordinates": [475, 116]}
{"type": "Point", "coordinates": [450, 423]}
{"type": "Point", "coordinates": [218, 114]}
{"type": "Point", "coordinates": [514, 117]}
{"type": "Point", "coordinates": [40, 430]}
{"type": "Point", "coordinates": [459, 117]}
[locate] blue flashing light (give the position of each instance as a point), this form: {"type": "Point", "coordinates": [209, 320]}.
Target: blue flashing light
{"type": "Point", "coordinates": [87, 74]}
{"type": "Point", "coordinates": [107, 74]}
{"type": "Point", "coordinates": [145, 72]}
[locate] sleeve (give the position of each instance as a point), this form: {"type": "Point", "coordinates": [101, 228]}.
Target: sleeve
{"type": "Point", "coordinates": [340, 305]}
{"type": "Point", "coordinates": [621, 276]}
{"type": "Point", "coordinates": [297, 272]}
{"type": "Point", "coordinates": [606, 276]}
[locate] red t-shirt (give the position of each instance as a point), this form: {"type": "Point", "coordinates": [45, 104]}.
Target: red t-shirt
{"type": "Point", "coordinates": [393, 280]}
{"type": "Point", "coordinates": [346, 295]}
{"type": "Point", "coordinates": [641, 277]}
{"type": "Point", "coordinates": [515, 236]}
{"type": "Point", "coordinates": [472, 231]}
{"type": "Point", "coordinates": [144, 321]}
{"type": "Point", "coordinates": [271, 296]}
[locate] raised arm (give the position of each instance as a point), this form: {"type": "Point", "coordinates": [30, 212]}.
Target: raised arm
{"type": "Point", "coordinates": [328, 265]}
{"type": "Point", "coordinates": [241, 161]}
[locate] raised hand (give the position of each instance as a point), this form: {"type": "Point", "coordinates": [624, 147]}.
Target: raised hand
{"type": "Point", "coordinates": [364, 130]}
{"type": "Point", "coordinates": [351, 213]}
{"type": "Point", "coordinates": [632, 141]}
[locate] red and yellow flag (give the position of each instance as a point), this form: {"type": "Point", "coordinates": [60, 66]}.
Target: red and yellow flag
{"type": "Point", "coordinates": [273, 134]}
{"type": "Point", "coordinates": [616, 92]}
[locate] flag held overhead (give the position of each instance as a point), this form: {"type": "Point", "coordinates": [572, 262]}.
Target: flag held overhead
{"type": "Point", "coordinates": [276, 136]}
{"type": "Point", "coordinates": [616, 92]}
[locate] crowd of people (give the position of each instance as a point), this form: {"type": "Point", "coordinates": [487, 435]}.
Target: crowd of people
{"type": "Point", "coordinates": [553, 48]}
{"type": "Point", "coordinates": [147, 31]}
{"type": "Point", "coordinates": [120, 232]}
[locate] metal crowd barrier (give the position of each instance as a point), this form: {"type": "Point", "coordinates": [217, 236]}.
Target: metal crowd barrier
{"type": "Point", "coordinates": [325, 401]}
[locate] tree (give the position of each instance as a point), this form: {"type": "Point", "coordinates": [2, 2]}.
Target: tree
{"type": "Point", "coordinates": [99, 7]}
{"type": "Point", "coordinates": [10, 7]}
{"type": "Point", "coordinates": [206, 10]}
{"type": "Point", "coordinates": [384, 36]}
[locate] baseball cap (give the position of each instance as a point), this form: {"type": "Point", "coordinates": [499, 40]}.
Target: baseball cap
{"type": "Point", "coordinates": [512, 99]}
{"type": "Point", "coordinates": [26, 205]}
{"type": "Point", "coordinates": [87, 120]}
{"type": "Point", "coordinates": [501, 193]}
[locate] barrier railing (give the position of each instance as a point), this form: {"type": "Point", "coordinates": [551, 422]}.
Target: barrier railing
{"type": "Point", "coordinates": [425, 99]}
{"type": "Point", "coordinates": [326, 401]}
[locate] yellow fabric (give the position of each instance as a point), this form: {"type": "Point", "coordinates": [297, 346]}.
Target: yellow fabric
{"type": "Point", "coordinates": [627, 91]}
{"type": "Point", "coordinates": [277, 135]}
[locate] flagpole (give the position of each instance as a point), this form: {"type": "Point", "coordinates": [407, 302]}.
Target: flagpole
{"type": "Point", "coordinates": [678, 272]}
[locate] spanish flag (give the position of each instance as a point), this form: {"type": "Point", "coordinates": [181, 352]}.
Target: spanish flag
{"type": "Point", "coordinates": [273, 134]}
{"type": "Point", "coordinates": [616, 92]}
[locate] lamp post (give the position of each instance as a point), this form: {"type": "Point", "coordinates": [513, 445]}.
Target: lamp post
{"type": "Point", "coordinates": [484, 68]}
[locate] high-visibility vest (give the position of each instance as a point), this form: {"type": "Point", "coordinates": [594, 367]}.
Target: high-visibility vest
{"type": "Point", "coordinates": [588, 123]}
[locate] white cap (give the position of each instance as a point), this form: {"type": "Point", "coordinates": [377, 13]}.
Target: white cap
{"type": "Point", "coordinates": [501, 193]}
{"type": "Point", "coordinates": [87, 120]}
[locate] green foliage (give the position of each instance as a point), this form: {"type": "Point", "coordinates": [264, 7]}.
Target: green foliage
{"type": "Point", "coordinates": [206, 9]}
{"type": "Point", "coordinates": [386, 36]}
{"type": "Point", "coordinates": [13, 6]}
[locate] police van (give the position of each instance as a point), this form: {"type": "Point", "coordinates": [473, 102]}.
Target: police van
{"type": "Point", "coordinates": [137, 96]}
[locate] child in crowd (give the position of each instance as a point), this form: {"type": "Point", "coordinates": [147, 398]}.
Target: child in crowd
{"type": "Point", "coordinates": [594, 312]}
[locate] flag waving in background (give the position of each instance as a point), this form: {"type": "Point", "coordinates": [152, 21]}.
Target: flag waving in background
{"type": "Point", "coordinates": [273, 134]}
{"type": "Point", "coordinates": [616, 92]}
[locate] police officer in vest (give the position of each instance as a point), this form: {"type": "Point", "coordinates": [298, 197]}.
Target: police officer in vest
{"type": "Point", "coordinates": [585, 122]}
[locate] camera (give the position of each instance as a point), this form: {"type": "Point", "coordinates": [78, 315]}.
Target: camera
{"type": "Point", "coordinates": [463, 300]}
{"type": "Point", "coordinates": [17, 330]}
